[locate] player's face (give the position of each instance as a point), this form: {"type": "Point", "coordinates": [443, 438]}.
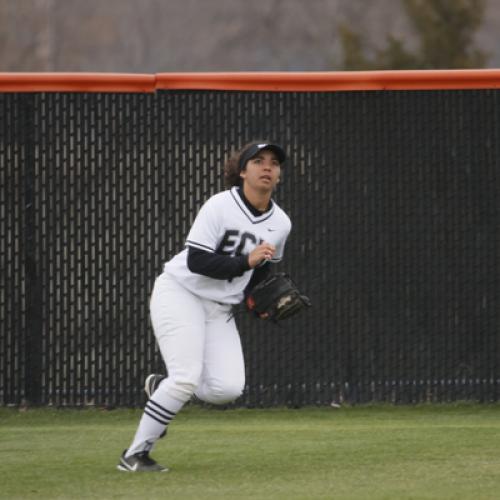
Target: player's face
{"type": "Point", "coordinates": [262, 172]}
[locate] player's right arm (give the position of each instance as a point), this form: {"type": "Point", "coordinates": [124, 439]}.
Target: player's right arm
{"type": "Point", "coordinates": [224, 267]}
{"type": "Point", "coordinates": [213, 265]}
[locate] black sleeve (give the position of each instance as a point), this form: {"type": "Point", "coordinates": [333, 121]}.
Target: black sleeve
{"type": "Point", "coordinates": [259, 274]}
{"type": "Point", "coordinates": [219, 267]}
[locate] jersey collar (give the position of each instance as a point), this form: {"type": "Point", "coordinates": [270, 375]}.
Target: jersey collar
{"type": "Point", "coordinates": [255, 216]}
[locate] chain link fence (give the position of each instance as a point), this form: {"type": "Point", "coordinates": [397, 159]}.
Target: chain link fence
{"type": "Point", "coordinates": [394, 199]}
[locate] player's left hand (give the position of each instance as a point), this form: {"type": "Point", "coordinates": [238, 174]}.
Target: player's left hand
{"type": "Point", "coordinates": [277, 297]}
{"type": "Point", "coordinates": [250, 303]}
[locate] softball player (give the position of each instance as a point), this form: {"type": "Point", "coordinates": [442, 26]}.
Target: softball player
{"type": "Point", "coordinates": [234, 238]}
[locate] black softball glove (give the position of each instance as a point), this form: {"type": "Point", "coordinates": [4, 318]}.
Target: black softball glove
{"type": "Point", "coordinates": [277, 298]}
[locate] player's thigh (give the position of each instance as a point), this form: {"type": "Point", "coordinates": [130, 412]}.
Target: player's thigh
{"type": "Point", "coordinates": [178, 320]}
{"type": "Point", "coordinates": [223, 363]}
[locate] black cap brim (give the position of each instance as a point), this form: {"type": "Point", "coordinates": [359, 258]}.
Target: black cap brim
{"type": "Point", "coordinates": [253, 150]}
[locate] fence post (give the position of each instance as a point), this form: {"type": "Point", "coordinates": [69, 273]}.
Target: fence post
{"type": "Point", "coordinates": [32, 340]}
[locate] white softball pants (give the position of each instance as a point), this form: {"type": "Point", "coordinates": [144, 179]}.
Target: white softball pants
{"type": "Point", "coordinates": [199, 343]}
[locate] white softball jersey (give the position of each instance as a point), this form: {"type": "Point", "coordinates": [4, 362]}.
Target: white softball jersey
{"type": "Point", "coordinates": [225, 226]}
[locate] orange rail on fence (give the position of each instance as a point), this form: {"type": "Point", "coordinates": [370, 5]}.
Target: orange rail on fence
{"type": "Point", "coordinates": [76, 82]}
{"type": "Point", "coordinates": [332, 81]}
{"type": "Point", "coordinates": [252, 81]}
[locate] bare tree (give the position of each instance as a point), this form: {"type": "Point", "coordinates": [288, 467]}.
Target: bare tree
{"type": "Point", "coordinates": [445, 32]}
{"type": "Point", "coordinates": [197, 35]}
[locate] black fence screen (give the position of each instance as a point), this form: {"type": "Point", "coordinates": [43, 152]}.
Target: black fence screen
{"type": "Point", "coordinates": [394, 199]}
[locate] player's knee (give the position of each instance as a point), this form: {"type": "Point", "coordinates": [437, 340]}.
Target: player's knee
{"type": "Point", "coordinates": [180, 388]}
{"type": "Point", "coordinates": [220, 394]}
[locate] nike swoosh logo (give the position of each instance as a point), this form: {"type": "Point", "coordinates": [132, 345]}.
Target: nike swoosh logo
{"type": "Point", "coordinates": [270, 230]}
{"type": "Point", "coordinates": [132, 468]}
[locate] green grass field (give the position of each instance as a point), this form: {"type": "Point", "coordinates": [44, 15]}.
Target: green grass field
{"type": "Point", "coordinates": [379, 452]}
